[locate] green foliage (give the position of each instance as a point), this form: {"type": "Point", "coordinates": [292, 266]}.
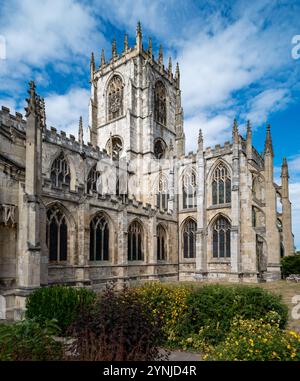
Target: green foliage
{"type": "Point", "coordinates": [204, 314]}
{"type": "Point", "coordinates": [256, 340]}
{"type": "Point", "coordinates": [29, 341]}
{"type": "Point", "coordinates": [61, 303]}
{"type": "Point", "coordinates": [168, 302]}
{"type": "Point", "coordinates": [290, 265]}
{"type": "Point", "coordinates": [212, 308]}
{"type": "Point", "coordinates": [120, 327]}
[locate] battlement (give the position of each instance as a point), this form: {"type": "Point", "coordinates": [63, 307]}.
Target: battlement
{"type": "Point", "coordinates": [10, 120]}
{"type": "Point", "coordinates": [70, 142]}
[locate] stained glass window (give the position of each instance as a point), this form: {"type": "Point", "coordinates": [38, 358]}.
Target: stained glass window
{"type": "Point", "coordinates": [160, 109]}
{"type": "Point", "coordinates": [189, 194]}
{"type": "Point", "coordinates": [189, 239]}
{"type": "Point", "coordinates": [221, 185]}
{"type": "Point", "coordinates": [135, 246]}
{"type": "Point", "coordinates": [161, 243]}
{"type": "Point", "coordinates": [92, 180]}
{"type": "Point", "coordinates": [60, 172]}
{"type": "Point", "coordinates": [57, 235]}
{"type": "Point", "coordinates": [221, 238]}
{"type": "Point", "coordinates": [115, 97]}
{"type": "Point", "coordinates": [99, 239]}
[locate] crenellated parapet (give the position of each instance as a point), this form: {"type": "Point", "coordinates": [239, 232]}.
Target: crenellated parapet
{"type": "Point", "coordinates": [119, 58]}
{"type": "Point", "coordinates": [9, 120]}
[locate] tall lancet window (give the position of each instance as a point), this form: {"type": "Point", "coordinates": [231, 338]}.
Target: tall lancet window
{"type": "Point", "coordinates": [160, 103]}
{"type": "Point", "coordinates": [60, 172]}
{"type": "Point", "coordinates": [189, 195]}
{"type": "Point", "coordinates": [162, 193]}
{"type": "Point", "coordinates": [93, 180]}
{"type": "Point", "coordinates": [57, 235]}
{"type": "Point", "coordinates": [135, 242]}
{"type": "Point", "coordinates": [189, 239]}
{"type": "Point", "coordinates": [99, 239]}
{"type": "Point", "coordinates": [115, 98]}
{"type": "Point", "coordinates": [221, 238]}
{"type": "Point", "coordinates": [161, 243]}
{"type": "Point", "coordinates": [221, 185]}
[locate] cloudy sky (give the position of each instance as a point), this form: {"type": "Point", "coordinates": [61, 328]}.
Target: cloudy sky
{"type": "Point", "coordinates": [235, 59]}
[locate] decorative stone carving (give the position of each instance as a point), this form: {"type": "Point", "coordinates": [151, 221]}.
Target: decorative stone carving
{"type": "Point", "coordinates": [8, 215]}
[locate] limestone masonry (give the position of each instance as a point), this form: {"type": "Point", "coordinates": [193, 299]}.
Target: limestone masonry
{"type": "Point", "coordinates": [131, 205]}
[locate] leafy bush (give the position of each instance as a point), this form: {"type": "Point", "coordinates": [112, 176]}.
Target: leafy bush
{"type": "Point", "coordinates": [290, 265]}
{"type": "Point", "coordinates": [61, 303]}
{"type": "Point", "coordinates": [211, 309]}
{"type": "Point", "coordinates": [28, 340]}
{"type": "Point", "coordinates": [120, 327]}
{"type": "Point", "coordinates": [168, 302]}
{"type": "Point", "coordinates": [257, 340]}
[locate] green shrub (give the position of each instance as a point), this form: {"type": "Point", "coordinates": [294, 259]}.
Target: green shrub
{"type": "Point", "coordinates": [256, 340]}
{"type": "Point", "coordinates": [211, 309]}
{"type": "Point", "coordinates": [28, 340]}
{"type": "Point", "coordinates": [290, 265]}
{"type": "Point", "coordinates": [166, 301]}
{"type": "Point", "coordinates": [120, 327]}
{"type": "Point", "coordinates": [61, 303]}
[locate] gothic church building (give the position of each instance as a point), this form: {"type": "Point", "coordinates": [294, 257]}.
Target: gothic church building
{"type": "Point", "coordinates": [130, 205]}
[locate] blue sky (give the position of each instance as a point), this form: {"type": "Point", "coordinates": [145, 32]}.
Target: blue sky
{"type": "Point", "coordinates": [235, 60]}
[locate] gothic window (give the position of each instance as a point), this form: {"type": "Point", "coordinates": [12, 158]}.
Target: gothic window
{"type": "Point", "coordinates": [114, 146]}
{"type": "Point", "coordinates": [161, 243]}
{"type": "Point", "coordinates": [221, 238]}
{"type": "Point", "coordinates": [189, 239]}
{"type": "Point", "coordinates": [99, 239]}
{"type": "Point", "coordinates": [160, 109]}
{"type": "Point", "coordinates": [92, 180]}
{"type": "Point", "coordinates": [57, 235]}
{"type": "Point", "coordinates": [159, 149]}
{"type": "Point", "coordinates": [60, 172]}
{"type": "Point", "coordinates": [189, 199]}
{"type": "Point", "coordinates": [162, 193]}
{"type": "Point", "coordinates": [115, 97]}
{"type": "Point", "coordinates": [135, 244]}
{"type": "Point", "coordinates": [221, 185]}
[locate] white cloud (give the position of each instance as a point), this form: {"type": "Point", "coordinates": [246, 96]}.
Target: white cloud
{"type": "Point", "coordinates": [63, 111]}
{"type": "Point", "coordinates": [266, 102]}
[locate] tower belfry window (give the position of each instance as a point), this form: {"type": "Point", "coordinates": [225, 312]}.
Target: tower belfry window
{"type": "Point", "coordinates": [160, 109]}
{"type": "Point", "coordinates": [115, 98]}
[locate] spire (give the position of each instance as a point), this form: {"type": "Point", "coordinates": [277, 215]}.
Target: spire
{"type": "Point", "coordinates": [114, 48]}
{"type": "Point", "coordinates": [31, 101]}
{"type": "Point", "coordinates": [284, 168]}
{"type": "Point", "coordinates": [125, 43]}
{"type": "Point", "coordinates": [170, 68]}
{"type": "Point", "coordinates": [150, 52]}
{"type": "Point", "coordinates": [102, 59]}
{"type": "Point", "coordinates": [80, 131]}
{"type": "Point", "coordinates": [249, 140]}
{"type": "Point", "coordinates": [139, 36]}
{"type": "Point", "coordinates": [268, 142]}
{"type": "Point", "coordinates": [177, 75]}
{"type": "Point", "coordinates": [43, 114]}
{"type": "Point", "coordinates": [160, 56]}
{"type": "Point", "coordinates": [200, 141]}
{"type": "Point", "coordinates": [92, 66]}
{"type": "Point", "coordinates": [235, 132]}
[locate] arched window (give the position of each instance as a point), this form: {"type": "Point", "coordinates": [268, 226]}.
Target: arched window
{"type": "Point", "coordinates": [159, 149]}
{"type": "Point", "coordinates": [160, 109]}
{"type": "Point", "coordinates": [57, 235]}
{"type": "Point", "coordinates": [135, 242]}
{"type": "Point", "coordinates": [162, 193]}
{"type": "Point", "coordinates": [114, 146]}
{"type": "Point", "coordinates": [189, 196]}
{"type": "Point", "coordinates": [99, 239]}
{"type": "Point", "coordinates": [93, 180]}
{"type": "Point", "coordinates": [161, 243]}
{"type": "Point", "coordinates": [60, 172]}
{"type": "Point", "coordinates": [189, 239]}
{"type": "Point", "coordinates": [221, 185]}
{"type": "Point", "coordinates": [115, 97]}
{"type": "Point", "coordinates": [221, 238]}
